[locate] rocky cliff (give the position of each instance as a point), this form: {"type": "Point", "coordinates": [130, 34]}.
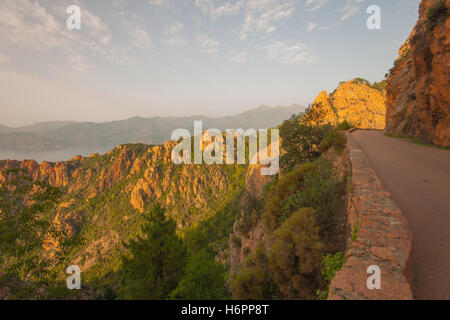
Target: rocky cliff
{"type": "Point", "coordinates": [355, 102]}
{"type": "Point", "coordinates": [105, 199]}
{"type": "Point", "coordinates": [418, 88]}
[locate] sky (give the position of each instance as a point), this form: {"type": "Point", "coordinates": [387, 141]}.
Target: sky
{"type": "Point", "coordinates": [186, 57]}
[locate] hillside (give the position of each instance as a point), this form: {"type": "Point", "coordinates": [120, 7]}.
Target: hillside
{"type": "Point", "coordinates": [156, 130]}
{"type": "Point", "coordinates": [357, 102]}
{"type": "Point", "coordinates": [418, 88]}
{"type": "Point", "coordinates": [87, 210]}
{"type": "Point", "coordinates": [104, 198]}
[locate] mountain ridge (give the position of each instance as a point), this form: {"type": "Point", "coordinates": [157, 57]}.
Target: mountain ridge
{"type": "Point", "coordinates": [154, 130]}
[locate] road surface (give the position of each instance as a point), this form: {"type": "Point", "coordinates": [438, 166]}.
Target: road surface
{"type": "Point", "coordinates": [418, 177]}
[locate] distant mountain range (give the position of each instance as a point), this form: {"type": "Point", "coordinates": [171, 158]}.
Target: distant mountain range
{"type": "Point", "coordinates": [59, 135]}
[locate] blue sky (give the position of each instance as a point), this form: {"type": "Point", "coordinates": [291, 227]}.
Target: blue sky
{"type": "Point", "coordinates": [186, 57]}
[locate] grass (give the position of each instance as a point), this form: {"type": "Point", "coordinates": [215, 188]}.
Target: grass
{"type": "Point", "coordinates": [416, 141]}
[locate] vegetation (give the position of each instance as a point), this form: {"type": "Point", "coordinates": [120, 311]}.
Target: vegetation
{"type": "Point", "coordinates": [333, 139]}
{"type": "Point", "coordinates": [302, 135]}
{"type": "Point", "coordinates": [436, 14]}
{"type": "Point", "coordinates": [25, 225]}
{"type": "Point", "coordinates": [157, 260]}
{"type": "Point", "coordinates": [178, 251]}
{"type": "Point", "coordinates": [295, 255]}
{"type": "Point", "coordinates": [344, 126]}
{"type": "Point", "coordinates": [380, 86]}
{"type": "Point", "coordinates": [302, 216]}
{"type": "Point", "coordinates": [416, 141]}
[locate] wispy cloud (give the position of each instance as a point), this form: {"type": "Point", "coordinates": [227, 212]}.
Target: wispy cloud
{"type": "Point", "coordinates": [158, 2]}
{"type": "Point", "coordinates": [210, 45]}
{"type": "Point", "coordinates": [30, 26]}
{"type": "Point", "coordinates": [314, 5]}
{"type": "Point", "coordinates": [350, 9]}
{"type": "Point", "coordinates": [241, 57]}
{"type": "Point", "coordinates": [289, 52]}
{"type": "Point", "coordinates": [311, 26]}
{"type": "Point", "coordinates": [226, 8]}
{"type": "Point", "coordinates": [261, 15]}
{"type": "Point", "coordinates": [172, 35]}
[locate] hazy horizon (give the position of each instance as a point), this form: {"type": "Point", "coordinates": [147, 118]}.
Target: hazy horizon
{"type": "Point", "coordinates": [186, 57]}
{"type": "Point", "coordinates": [157, 116]}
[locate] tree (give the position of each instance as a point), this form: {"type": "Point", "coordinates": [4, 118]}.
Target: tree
{"type": "Point", "coordinates": [295, 256]}
{"type": "Point", "coordinates": [300, 142]}
{"type": "Point", "coordinates": [204, 279]}
{"type": "Point", "coordinates": [254, 281]}
{"type": "Point", "coordinates": [25, 224]}
{"type": "Point", "coordinates": [157, 260]}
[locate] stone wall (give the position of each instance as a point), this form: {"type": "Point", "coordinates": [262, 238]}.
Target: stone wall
{"type": "Point", "coordinates": [382, 238]}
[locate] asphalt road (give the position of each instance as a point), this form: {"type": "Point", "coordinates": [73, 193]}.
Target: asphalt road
{"type": "Point", "coordinates": [418, 177]}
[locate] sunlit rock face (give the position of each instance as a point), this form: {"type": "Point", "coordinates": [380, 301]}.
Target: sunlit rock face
{"type": "Point", "coordinates": [418, 88]}
{"type": "Point", "coordinates": [359, 104]}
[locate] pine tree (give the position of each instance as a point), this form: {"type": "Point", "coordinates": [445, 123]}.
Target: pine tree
{"type": "Point", "coordinates": [157, 260]}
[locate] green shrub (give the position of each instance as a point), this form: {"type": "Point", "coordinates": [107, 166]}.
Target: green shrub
{"type": "Point", "coordinates": [286, 186]}
{"type": "Point", "coordinates": [362, 81]}
{"type": "Point", "coordinates": [300, 142]}
{"type": "Point", "coordinates": [380, 86]}
{"type": "Point", "coordinates": [254, 282]}
{"type": "Point", "coordinates": [436, 14]}
{"type": "Point", "coordinates": [333, 139]}
{"type": "Point", "coordinates": [332, 264]}
{"type": "Point", "coordinates": [355, 231]}
{"type": "Point", "coordinates": [237, 243]}
{"type": "Point", "coordinates": [344, 126]}
{"type": "Point", "coordinates": [295, 256]}
{"type": "Point", "coordinates": [204, 279]}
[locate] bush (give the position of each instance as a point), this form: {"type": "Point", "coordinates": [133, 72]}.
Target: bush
{"type": "Point", "coordinates": [333, 139]}
{"type": "Point", "coordinates": [436, 14]}
{"type": "Point", "coordinates": [295, 256]}
{"type": "Point", "coordinates": [286, 186]}
{"type": "Point", "coordinates": [236, 242]}
{"type": "Point", "coordinates": [254, 281]}
{"type": "Point", "coordinates": [362, 81]}
{"type": "Point", "coordinates": [332, 264]}
{"type": "Point", "coordinates": [344, 126]}
{"type": "Point", "coordinates": [300, 142]}
{"type": "Point", "coordinates": [204, 279]}
{"type": "Point", "coordinates": [380, 86]}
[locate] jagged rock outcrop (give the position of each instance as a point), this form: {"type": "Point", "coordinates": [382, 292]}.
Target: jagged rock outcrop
{"type": "Point", "coordinates": [418, 88]}
{"type": "Point", "coordinates": [105, 198]}
{"type": "Point", "coordinates": [56, 174]}
{"type": "Point", "coordinates": [357, 103]}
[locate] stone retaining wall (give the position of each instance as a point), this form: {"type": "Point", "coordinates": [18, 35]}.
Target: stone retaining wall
{"type": "Point", "coordinates": [382, 239]}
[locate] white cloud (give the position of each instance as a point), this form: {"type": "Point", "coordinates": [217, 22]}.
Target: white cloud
{"type": "Point", "coordinates": [261, 15]}
{"type": "Point", "coordinates": [311, 26]}
{"type": "Point", "coordinates": [350, 9]}
{"type": "Point", "coordinates": [140, 38]}
{"type": "Point", "coordinates": [226, 8]}
{"type": "Point", "coordinates": [289, 52]}
{"type": "Point", "coordinates": [135, 28]}
{"type": "Point", "coordinates": [172, 35]}
{"type": "Point", "coordinates": [27, 25]}
{"type": "Point", "coordinates": [158, 2]}
{"type": "Point", "coordinates": [209, 44]}
{"type": "Point", "coordinates": [240, 57]}
{"type": "Point", "coordinates": [315, 4]}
